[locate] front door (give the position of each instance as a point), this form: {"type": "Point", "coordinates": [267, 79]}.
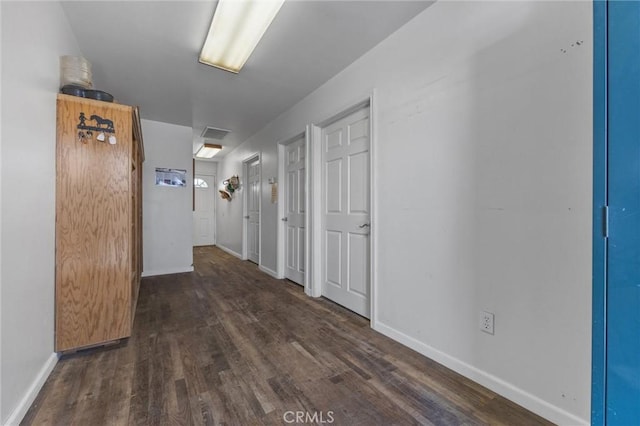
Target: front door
{"type": "Point", "coordinates": [204, 213]}
{"type": "Point", "coordinates": [294, 213]}
{"type": "Point", "coordinates": [346, 210]}
{"type": "Point", "coordinates": [253, 210]}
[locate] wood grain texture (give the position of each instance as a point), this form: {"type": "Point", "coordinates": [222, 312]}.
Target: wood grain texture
{"type": "Point", "coordinates": [137, 157]}
{"type": "Point", "coordinates": [228, 344]}
{"type": "Point", "coordinates": [93, 219]}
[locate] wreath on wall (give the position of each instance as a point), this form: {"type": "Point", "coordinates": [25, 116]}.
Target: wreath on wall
{"type": "Point", "coordinates": [231, 185]}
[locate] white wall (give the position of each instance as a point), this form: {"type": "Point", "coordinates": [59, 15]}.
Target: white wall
{"type": "Point", "coordinates": [483, 188]}
{"type": "Point", "coordinates": [208, 168]}
{"type": "Point", "coordinates": [34, 35]}
{"type": "Point", "coordinates": [229, 213]}
{"type": "Point", "coordinates": [1, 366]}
{"type": "Point", "coordinates": [167, 216]}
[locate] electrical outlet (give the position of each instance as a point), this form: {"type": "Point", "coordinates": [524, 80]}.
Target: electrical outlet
{"type": "Point", "coordinates": [486, 322]}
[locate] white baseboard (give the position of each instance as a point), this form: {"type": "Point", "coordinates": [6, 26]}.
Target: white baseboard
{"type": "Point", "coordinates": [268, 271]}
{"type": "Point", "coordinates": [25, 402]}
{"type": "Point", "coordinates": [231, 252]}
{"type": "Point", "coordinates": [530, 402]}
{"type": "Point", "coordinates": [167, 271]}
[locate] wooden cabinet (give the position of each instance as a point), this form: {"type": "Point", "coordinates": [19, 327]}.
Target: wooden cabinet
{"type": "Point", "coordinates": [99, 156]}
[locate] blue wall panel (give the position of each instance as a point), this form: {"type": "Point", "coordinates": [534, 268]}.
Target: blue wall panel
{"type": "Point", "coordinates": [623, 250]}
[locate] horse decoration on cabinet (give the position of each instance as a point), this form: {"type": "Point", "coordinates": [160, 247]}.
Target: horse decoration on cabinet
{"type": "Point", "coordinates": [103, 125]}
{"type": "Point", "coordinates": [103, 121]}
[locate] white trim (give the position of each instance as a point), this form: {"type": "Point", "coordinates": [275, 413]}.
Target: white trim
{"type": "Point", "coordinates": [268, 271]}
{"type": "Point", "coordinates": [280, 239]}
{"type": "Point", "coordinates": [231, 252]}
{"type": "Point", "coordinates": [497, 385]}
{"type": "Point", "coordinates": [25, 402]}
{"type": "Point", "coordinates": [260, 208]}
{"type": "Point", "coordinates": [245, 221]}
{"type": "Point", "coordinates": [356, 105]}
{"type": "Point", "coordinates": [308, 235]}
{"type": "Point", "coordinates": [315, 207]}
{"type": "Point", "coordinates": [373, 213]}
{"type": "Point", "coordinates": [215, 208]}
{"type": "Point", "coordinates": [168, 271]}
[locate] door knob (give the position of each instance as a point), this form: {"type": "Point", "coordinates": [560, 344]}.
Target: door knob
{"type": "Point", "coordinates": [246, 217]}
{"type": "Point", "coordinates": [285, 219]}
{"type": "Point", "coordinates": [364, 225]}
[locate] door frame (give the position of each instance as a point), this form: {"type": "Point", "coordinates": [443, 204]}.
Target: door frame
{"type": "Point", "coordinates": [215, 203]}
{"type": "Point", "coordinates": [281, 236]}
{"type": "Point", "coordinates": [244, 179]}
{"type": "Point", "coordinates": [315, 192]}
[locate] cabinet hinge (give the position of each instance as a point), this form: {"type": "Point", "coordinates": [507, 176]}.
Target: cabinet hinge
{"type": "Point", "coordinates": [605, 221]}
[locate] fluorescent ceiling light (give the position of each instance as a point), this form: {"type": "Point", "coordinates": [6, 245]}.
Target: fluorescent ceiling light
{"type": "Point", "coordinates": [236, 29]}
{"type": "Point", "coordinates": [208, 150]}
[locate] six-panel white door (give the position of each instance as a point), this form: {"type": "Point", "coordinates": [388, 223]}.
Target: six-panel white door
{"type": "Point", "coordinates": [204, 214]}
{"type": "Point", "coordinates": [253, 210]}
{"type": "Point", "coordinates": [346, 212]}
{"type": "Point", "coordinates": [294, 194]}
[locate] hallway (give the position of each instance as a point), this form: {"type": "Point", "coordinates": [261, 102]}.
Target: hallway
{"type": "Point", "coordinates": [229, 344]}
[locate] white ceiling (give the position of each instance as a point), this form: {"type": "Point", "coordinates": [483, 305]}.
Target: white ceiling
{"type": "Point", "coordinates": [146, 53]}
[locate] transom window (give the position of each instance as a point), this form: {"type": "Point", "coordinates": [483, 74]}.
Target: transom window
{"type": "Point", "coordinates": [200, 183]}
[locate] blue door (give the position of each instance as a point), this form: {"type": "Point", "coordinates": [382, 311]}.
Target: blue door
{"type": "Point", "coordinates": [616, 313]}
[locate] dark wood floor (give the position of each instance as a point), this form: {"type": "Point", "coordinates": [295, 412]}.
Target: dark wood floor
{"type": "Point", "coordinates": [228, 344]}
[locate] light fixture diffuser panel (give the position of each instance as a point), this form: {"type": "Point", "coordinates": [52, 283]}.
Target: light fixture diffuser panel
{"type": "Point", "coordinates": [236, 29]}
{"type": "Point", "coordinates": [208, 150]}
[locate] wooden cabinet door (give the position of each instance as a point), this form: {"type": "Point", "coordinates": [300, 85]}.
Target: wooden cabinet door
{"type": "Point", "coordinates": [93, 221]}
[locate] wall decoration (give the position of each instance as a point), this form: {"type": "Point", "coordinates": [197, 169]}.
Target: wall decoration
{"type": "Point", "coordinates": [231, 185]}
{"type": "Point", "coordinates": [274, 189]}
{"type": "Point", "coordinates": [102, 126]}
{"type": "Point", "coordinates": [171, 177]}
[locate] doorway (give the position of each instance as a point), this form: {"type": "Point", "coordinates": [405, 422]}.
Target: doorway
{"type": "Point", "coordinates": [251, 207]}
{"type": "Point", "coordinates": [204, 210]}
{"type": "Point", "coordinates": [292, 157]}
{"type": "Point", "coordinates": [345, 143]}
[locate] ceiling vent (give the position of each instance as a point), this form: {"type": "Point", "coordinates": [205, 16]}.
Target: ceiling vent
{"type": "Point", "coordinates": [214, 133]}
